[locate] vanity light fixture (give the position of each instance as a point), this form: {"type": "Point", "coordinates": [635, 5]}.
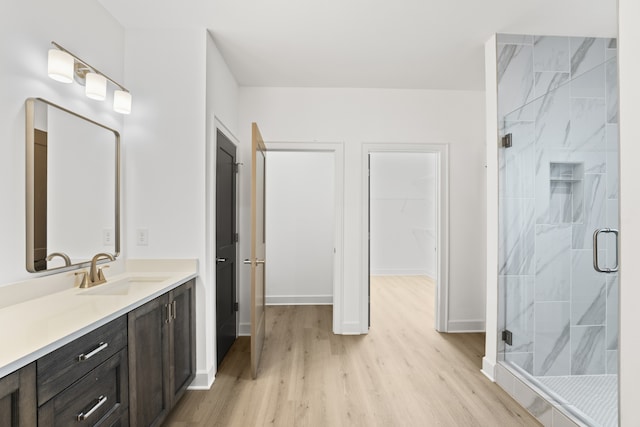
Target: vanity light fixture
{"type": "Point", "coordinates": [60, 66]}
{"type": "Point", "coordinates": [122, 102]}
{"type": "Point", "coordinates": [95, 86]}
{"type": "Point", "coordinates": [64, 67]}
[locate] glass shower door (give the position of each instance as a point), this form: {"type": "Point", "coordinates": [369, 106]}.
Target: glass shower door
{"type": "Point", "coordinates": [559, 186]}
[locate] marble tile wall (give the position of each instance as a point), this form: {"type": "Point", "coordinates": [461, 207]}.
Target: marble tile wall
{"type": "Point", "coordinates": [558, 97]}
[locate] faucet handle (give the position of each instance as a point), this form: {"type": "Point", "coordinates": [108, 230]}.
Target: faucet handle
{"type": "Point", "coordinates": [101, 277]}
{"type": "Point", "coordinates": [85, 278]}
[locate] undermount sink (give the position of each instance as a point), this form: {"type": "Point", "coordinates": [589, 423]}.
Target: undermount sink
{"type": "Point", "coordinates": [122, 286]}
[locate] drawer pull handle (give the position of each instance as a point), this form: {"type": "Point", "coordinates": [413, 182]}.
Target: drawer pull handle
{"type": "Point", "coordinates": [101, 346]}
{"type": "Point", "coordinates": [82, 416]}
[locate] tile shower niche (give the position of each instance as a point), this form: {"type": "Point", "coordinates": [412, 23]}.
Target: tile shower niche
{"type": "Point", "coordinates": [566, 194]}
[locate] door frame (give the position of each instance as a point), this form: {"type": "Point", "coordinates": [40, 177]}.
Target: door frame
{"type": "Point", "coordinates": [337, 148]}
{"type": "Point", "coordinates": [442, 225]}
{"type": "Point", "coordinates": [210, 238]}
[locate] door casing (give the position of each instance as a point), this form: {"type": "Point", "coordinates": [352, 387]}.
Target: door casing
{"type": "Point", "coordinates": [208, 301]}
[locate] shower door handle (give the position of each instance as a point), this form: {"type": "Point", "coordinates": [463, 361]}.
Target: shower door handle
{"type": "Point", "coordinates": [596, 263]}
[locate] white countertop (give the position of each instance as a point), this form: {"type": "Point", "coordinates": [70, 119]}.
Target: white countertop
{"type": "Point", "coordinates": [37, 326]}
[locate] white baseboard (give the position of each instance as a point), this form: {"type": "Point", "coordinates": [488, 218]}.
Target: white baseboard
{"type": "Point", "coordinates": [299, 299]}
{"type": "Point", "coordinates": [245, 330]}
{"type": "Point", "coordinates": [350, 328]}
{"type": "Point", "coordinates": [488, 369]}
{"type": "Point", "coordinates": [401, 272]}
{"type": "Point", "coordinates": [203, 380]}
{"type": "Point", "coordinates": [461, 326]}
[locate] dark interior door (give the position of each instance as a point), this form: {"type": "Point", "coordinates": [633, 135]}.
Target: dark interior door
{"type": "Point", "coordinates": [225, 245]}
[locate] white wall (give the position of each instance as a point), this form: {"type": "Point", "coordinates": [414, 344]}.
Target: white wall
{"type": "Point", "coordinates": [164, 158]}
{"type": "Point", "coordinates": [629, 70]}
{"type": "Point", "coordinates": [164, 154]}
{"type": "Point", "coordinates": [222, 89]}
{"type": "Point", "coordinates": [371, 115]}
{"type": "Point", "coordinates": [299, 218]}
{"type": "Point", "coordinates": [27, 29]}
{"type": "Point", "coordinates": [403, 214]}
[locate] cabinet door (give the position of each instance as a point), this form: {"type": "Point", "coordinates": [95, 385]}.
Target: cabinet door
{"type": "Point", "coordinates": [18, 407]}
{"type": "Point", "coordinates": [183, 351]}
{"type": "Point", "coordinates": [149, 400]}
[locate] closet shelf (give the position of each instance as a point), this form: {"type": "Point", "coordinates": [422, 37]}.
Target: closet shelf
{"type": "Point", "coordinates": [564, 180]}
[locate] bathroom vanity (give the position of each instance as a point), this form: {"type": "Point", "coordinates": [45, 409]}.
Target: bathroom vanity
{"type": "Point", "coordinates": [117, 354]}
{"type": "Point", "coordinates": [77, 347]}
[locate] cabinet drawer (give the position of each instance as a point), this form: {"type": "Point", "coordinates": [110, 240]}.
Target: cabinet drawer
{"type": "Point", "coordinates": [61, 368]}
{"type": "Point", "coordinates": [100, 398]}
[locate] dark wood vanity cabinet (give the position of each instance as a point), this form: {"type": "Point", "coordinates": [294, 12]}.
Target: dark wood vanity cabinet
{"type": "Point", "coordinates": [182, 339]}
{"type": "Point", "coordinates": [148, 361]}
{"type": "Point", "coordinates": [18, 406]}
{"type": "Point", "coordinates": [161, 354]}
{"type": "Point", "coordinates": [100, 398]}
{"type": "Point", "coordinates": [62, 367]}
{"type": "Point", "coordinates": [86, 380]}
{"type": "Point", "coordinates": [130, 371]}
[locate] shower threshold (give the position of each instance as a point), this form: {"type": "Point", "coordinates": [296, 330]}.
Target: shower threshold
{"type": "Point", "coordinates": [590, 400]}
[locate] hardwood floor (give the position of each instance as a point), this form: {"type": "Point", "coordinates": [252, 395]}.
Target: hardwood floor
{"type": "Point", "coordinates": [402, 373]}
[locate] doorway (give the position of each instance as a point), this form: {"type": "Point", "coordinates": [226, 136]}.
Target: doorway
{"type": "Point", "coordinates": [226, 241]}
{"type": "Point", "coordinates": [336, 150]}
{"type": "Point", "coordinates": [406, 220]}
{"type": "Point", "coordinates": [300, 222]}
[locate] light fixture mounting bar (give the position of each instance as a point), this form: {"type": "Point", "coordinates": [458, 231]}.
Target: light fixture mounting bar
{"type": "Point", "coordinates": [91, 67]}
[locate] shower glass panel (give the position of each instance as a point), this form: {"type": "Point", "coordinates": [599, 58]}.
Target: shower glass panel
{"type": "Point", "coordinates": [558, 185]}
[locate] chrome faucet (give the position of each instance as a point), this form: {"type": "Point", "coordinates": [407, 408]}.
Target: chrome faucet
{"type": "Point", "coordinates": [95, 275]}
{"type": "Point", "coordinates": [65, 257]}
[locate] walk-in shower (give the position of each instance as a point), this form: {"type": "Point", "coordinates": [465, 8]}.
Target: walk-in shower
{"type": "Point", "coordinates": [558, 186]}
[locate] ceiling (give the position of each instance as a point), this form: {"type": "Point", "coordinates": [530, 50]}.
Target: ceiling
{"type": "Point", "coordinates": [412, 44]}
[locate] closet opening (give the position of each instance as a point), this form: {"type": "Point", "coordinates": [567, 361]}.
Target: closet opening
{"type": "Point", "coordinates": [406, 231]}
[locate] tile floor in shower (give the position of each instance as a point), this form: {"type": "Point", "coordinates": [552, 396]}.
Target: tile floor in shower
{"type": "Point", "coordinates": [594, 395]}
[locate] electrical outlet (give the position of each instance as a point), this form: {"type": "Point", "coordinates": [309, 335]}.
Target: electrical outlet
{"type": "Point", "coordinates": [142, 237]}
{"type": "Point", "coordinates": [107, 237]}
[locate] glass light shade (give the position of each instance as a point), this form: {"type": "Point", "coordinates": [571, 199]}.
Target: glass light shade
{"type": "Point", "coordinates": [122, 102]}
{"type": "Point", "coordinates": [95, 86]}
{"type": "Point", "coordinates": [60, 66]}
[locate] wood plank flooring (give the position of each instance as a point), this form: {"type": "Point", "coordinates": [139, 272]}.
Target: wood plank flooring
{"type": "Point", "coordinates": [402, 373]}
